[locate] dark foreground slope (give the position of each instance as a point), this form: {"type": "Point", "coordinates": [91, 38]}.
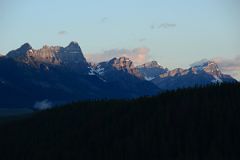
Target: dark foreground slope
{"type": "Point", "coordinates": [191, 124]}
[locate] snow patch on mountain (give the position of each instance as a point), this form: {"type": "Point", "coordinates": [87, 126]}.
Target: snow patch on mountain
{"type": "Point", "coordinates": [96, 70]}
{"type": "Point", "coordinates": [149, 78]}
{"type": "Point", "coordinates": [99, 70]}
{"type": "Point", "coordinates": [217, 79]}
{"type": "Point", "coordinates": [91, 71]}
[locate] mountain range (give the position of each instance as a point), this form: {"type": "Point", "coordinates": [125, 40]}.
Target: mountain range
{"type": "Point", "coordinates": [62, 75]}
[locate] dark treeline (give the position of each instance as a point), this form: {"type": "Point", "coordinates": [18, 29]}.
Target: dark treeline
{"type": "Point", "coordinates": [200, 123]}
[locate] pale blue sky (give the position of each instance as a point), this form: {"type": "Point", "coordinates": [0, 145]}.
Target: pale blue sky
{"type": "Point", "coordinates": [203, 28]}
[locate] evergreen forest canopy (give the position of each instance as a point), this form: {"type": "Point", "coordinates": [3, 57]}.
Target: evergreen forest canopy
{"type": "Point", "coordinates": [194, 123]}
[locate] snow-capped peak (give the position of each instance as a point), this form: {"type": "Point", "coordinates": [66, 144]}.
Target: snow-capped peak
{"type": "Point", "coordinates": [207, 66]}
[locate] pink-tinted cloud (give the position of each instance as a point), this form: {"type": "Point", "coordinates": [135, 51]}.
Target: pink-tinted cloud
{"type": "Point", "coordinates": [230, 66]}
{"type": "Point", "coordinates": [137, 55]}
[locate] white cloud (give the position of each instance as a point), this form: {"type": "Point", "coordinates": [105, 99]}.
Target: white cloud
{"type": "Point", "coordinates": [62, 32]}
{"type": "Point", "coordinates": [164, 26]}
{"type": "Point", "coordinates": [137, 55]}
{"type": "Point", "coordinates": [230, 66]}
{"type": "Point", "coordinates": [142, 39]}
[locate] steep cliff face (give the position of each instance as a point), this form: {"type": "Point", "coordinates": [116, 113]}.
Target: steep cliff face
{"type": "Point", "coordinates": [70, 56]}
{"type": "Point", "coordinates": [125, 64]}
{"type": "Point", "coordinates": [118, 65]}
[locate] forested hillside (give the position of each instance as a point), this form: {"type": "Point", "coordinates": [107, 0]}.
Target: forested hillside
{"type": "Point", "coordinates": [199, 123]}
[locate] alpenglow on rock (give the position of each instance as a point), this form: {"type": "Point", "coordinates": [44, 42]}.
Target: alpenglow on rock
{"type": "Point", "coordinates": [122, 64]}
{"type": "Point", "coordinates": [209, 67]}
{"type": "Point", "coordinates": [53, 55]}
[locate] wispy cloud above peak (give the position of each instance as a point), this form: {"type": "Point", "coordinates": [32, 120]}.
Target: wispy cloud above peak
{"type": "Point", "coordinates": [104, 19]}
{"type": "Point", "coordinates": [137, 55]}
{"type": "Point", "coordinates": [142, 39]}
{"type": "Point", "coordinates": [163, 26]}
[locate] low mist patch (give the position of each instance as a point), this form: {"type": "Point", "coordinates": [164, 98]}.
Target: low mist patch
{"type": "Point", "coordinates": [42, 105]}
